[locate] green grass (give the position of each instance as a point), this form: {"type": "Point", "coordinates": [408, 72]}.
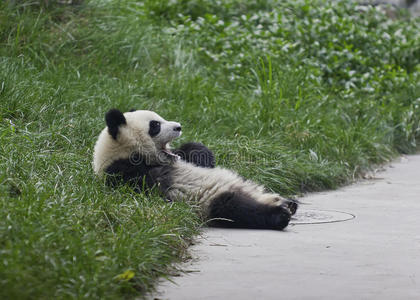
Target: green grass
{"type": "Point", "coordinates": [299, 96]}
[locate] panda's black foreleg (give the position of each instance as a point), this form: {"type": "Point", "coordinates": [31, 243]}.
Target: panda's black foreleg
{"type": "Point", "coordinates": [132, 170]}
{"type": "Point", "coordinates": [239, 210]}
{"type": "Point", "coordinates": [138, 174]}
{"type": "Point", "coordinates": [197, 154]}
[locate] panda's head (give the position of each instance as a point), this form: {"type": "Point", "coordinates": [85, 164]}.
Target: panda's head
{"type": "Point", "coordinates": [138, 131]}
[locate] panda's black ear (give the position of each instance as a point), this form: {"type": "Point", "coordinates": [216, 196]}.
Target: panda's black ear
{"type": "Point", "coordinates": [133, 109]}
{"type": "Point", "coordinates": [114, 119]}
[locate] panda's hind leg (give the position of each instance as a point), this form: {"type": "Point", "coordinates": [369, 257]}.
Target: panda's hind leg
{"type": "Point", "coordinates": [240, 210]}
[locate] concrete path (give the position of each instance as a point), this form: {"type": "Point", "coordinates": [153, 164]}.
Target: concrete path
{"type": "Point", "coordinates": [373, 256]}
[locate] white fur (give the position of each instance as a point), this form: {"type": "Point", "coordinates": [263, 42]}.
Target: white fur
{"type": "Point", "coordinates": [202, 185]}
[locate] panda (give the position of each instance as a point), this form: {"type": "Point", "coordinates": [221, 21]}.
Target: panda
{"type": "Point", "coordinates": [134, 148]}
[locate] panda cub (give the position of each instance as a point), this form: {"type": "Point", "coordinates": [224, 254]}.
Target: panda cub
{"type": "Point", "coordinates": [134, 148]}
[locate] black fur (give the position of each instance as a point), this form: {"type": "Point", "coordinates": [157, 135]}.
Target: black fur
{"type": "Point", "coordinates": [197, 154]}
{"type": "Point", "coordinates": [242, 211]}
{"type": "Point", "coordinates": [154, 128]}
{"type": "Point", "coordinates": [137, 173]}
{"type": "Point", "coordinates": [114, 119]}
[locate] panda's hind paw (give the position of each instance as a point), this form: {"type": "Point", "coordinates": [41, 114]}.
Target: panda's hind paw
{"type": "Point", "coordinates": [280, 217]}
{"type": "Point", "coordinates": [292, 205]}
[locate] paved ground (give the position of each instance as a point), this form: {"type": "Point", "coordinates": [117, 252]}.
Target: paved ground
{"type": "Point", "coordinates": [373, 256]}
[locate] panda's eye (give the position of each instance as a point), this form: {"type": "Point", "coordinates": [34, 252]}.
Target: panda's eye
{"type": "Point", "coordinates": [154, 128]}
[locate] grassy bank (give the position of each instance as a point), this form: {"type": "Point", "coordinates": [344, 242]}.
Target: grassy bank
{"type": "Point", "coordinates": [299, 96]}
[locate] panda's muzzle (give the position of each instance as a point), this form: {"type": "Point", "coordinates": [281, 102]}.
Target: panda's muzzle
{"type": "Point", "coordinates": [174, 130]}
{"type": "Point", "coordinates": [169, 132]}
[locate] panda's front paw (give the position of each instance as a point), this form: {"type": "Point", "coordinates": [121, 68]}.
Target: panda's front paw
{"type": "Point", "coordinates": [197, 154]}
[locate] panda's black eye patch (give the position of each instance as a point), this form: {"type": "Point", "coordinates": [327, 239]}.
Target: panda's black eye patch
{"type": "Point", "coordinates": [154, 128]}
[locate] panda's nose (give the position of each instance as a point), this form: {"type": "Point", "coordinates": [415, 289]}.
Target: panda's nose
{"type": "Point", "coordinates": [177, 128]}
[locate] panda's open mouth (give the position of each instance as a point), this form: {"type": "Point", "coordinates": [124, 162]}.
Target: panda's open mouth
{"type": "Point", "coordinates": [166, 149]}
